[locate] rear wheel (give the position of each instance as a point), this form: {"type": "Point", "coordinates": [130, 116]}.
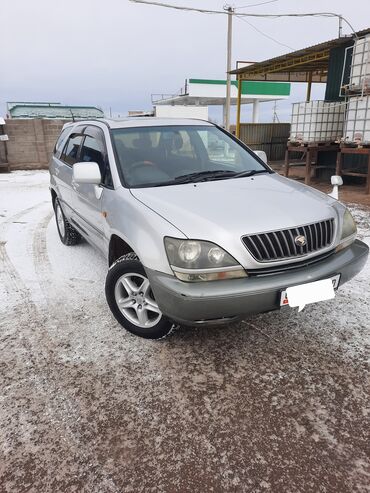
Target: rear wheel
{"type": "Point", "coordinates": [131, 300]}
{"type": "Point", "coordinates": [67, 233]}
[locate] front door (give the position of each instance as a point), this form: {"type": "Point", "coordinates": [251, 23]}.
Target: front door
{"type": "Point", "coordinates": [87, 197]}
{"type": "Point", "coordinates": [63, 162]}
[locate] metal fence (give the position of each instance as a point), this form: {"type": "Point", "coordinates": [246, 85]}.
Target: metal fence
{"type": "Point", "coordinates": [269, 137]}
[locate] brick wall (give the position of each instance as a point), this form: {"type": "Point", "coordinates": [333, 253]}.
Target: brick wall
{"type": "Point", "coordinates": [31, 142]}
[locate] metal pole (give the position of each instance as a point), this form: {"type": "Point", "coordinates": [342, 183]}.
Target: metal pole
{"type": "Point", "coordinates": [238, 108]}
{"type": "Point", "coordinates": [340, 19]}
{"type": "Point", "coordinates": [230, 11]}
{"type": "Point", "coordinates": [255, 113]}
{"type": "Point", "coordinates": [309, 86]}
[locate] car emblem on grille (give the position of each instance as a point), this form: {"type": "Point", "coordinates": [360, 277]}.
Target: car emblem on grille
{"type": "Point", "coordinates": [300, 240]}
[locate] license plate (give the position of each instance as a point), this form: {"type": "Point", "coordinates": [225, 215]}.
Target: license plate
{"type": "Point", "coordinates": [311, 292]}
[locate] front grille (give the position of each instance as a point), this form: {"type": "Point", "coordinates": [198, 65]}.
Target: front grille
{"type": "Point", "coordinates": [285, 268]}
{"type": "Point", "coordinates": [280, 245]}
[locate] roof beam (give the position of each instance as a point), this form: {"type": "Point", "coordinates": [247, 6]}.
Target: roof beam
{"type": "Point", "coordinates": [292, 76]}
{"type": "Point", "coordinates": [316, 59]}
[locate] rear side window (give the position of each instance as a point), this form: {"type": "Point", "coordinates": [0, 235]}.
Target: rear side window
{"type": "Point", "coordinates": [70, 153]}
{"type": "Point", "coordinates": [60, 143]}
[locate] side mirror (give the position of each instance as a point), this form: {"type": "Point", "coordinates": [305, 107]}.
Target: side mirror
{"type": "Point", "coordinates": [261, 155]}
{"type": "Point", "coordinates": [336, 181]}
{"type": "Point", "coordinates": [87, 172]}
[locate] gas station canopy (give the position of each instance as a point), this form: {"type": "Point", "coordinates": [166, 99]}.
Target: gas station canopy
{"type": "Point", "coordinates": [208, 92]}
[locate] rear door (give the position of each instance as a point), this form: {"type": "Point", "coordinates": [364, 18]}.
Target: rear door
{"type": "Point", "coordinates": [87, 199]}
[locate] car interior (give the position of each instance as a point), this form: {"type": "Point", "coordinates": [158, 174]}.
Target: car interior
{"type": "Point", "coordinates": [144, 162]}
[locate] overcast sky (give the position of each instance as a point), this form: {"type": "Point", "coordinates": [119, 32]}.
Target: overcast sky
{"type": "Point", "coordinates": [114, 53]}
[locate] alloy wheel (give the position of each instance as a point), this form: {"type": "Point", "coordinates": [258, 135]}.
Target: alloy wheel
{"type": "Point", "coordinates": [135, 300]}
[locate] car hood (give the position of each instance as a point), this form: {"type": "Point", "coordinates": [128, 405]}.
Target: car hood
{"type": "Point", "coordinates": [217, 210]}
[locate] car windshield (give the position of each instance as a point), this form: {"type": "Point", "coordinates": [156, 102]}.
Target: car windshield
{"type": "Point", "coordinates": [168, 155]}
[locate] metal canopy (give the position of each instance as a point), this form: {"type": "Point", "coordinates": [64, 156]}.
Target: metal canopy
{"type": "Point", "coordinates": [186, 100]}
{"type": "Point", "coordinates": [306, 65]}
{"type": "Point", "coordinates": [208, 92]}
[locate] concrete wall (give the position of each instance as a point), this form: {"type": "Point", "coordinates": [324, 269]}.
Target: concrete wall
{"type": "Point", "coordinates": [31, 142]}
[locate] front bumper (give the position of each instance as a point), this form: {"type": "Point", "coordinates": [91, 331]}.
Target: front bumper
{"type": "Point", "coordinates": [207, 302]}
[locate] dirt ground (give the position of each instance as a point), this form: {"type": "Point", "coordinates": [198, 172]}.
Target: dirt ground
{"type": "Point", "coordinates": [276, 403]}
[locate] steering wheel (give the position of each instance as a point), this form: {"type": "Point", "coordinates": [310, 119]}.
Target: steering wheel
{"type": "Point", "coordinates": [140, 164]}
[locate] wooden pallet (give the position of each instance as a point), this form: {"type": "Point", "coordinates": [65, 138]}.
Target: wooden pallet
{"type": "Point", "coordinates": [310, 154]}
{"type": "Point", "coordinates": [355, 145]}
{"type": "Point", "coordinates": [356, 90]}
{"type": "Point", "coordinates": [346, 150]}
{"type": "Point", "coordinates": [313, 144]}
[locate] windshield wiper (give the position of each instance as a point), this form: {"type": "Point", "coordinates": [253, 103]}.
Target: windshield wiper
{"type": "Point", "coordinates": [203, 175]}
{"type": "Point", "coordinates": [250, 172]}
{"type": "Point", "coordinates": [198, 176]}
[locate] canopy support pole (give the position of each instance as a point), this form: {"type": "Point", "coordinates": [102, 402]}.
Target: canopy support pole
{"type": "Point", "coordinates": [309, 86]}
{"type": "Point", "coordinates": [255, 114]}
{"type": "Point", "coordinates": [238, 108]}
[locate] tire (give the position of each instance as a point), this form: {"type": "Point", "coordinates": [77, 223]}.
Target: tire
{"type": "Point", "coordinates": [131, 299]}
{"type": "Point", "coordinates": [67, 233]}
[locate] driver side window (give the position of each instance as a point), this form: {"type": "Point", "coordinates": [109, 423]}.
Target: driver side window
{"type": "Point", "coordinates": [93, 150]}
{"type": "Point", "coordinates": [71, 150]}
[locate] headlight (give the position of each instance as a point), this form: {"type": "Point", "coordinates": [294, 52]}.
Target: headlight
{"type": "Point", "coordinates": [216, 255]}
{"type": "Point", "coordinates": [189, 251]}
{"type": "Point", "coordinates": [349, 230]}
{"type": "Point", "coordinates": [193, 260]}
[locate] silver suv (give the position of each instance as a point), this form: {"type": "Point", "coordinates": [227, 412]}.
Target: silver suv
{"type": "Point", "coordinates": [195, 226]}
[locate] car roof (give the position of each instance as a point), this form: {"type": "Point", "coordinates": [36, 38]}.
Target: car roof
{"type": "Point", "coordinates": [150, 121]}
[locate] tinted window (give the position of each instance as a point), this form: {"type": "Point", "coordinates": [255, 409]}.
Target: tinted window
{"type": "Point", "coordinates": [60, 142]}
{"type": "Point", "coordinates": [154, 155]}
{"type": "Point", "coordinates": [70, 154]}
{"type": "Point", "coordinates": [93, 150]}
{"type": "Point", "coordinates": [221, 150]}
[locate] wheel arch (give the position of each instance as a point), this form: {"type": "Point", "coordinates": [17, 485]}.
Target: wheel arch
{"type": "Point", "coordinates": [53, 196]}
{"type": "Point", "coordinates": [117, 248]}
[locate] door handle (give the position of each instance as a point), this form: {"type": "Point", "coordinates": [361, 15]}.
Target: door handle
{"type": "Point", "coordinates": [98, 191]}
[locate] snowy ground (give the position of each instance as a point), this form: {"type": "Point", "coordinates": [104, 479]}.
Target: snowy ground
{"type": "Point", "coordinates": [275, 403]}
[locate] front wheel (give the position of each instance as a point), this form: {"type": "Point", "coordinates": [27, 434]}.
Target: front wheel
{"type": "Point", "coordinates": [131, 300]}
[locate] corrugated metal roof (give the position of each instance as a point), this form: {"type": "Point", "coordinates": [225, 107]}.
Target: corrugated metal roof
{"type": "Point", "coordinates": [311, 65]}
{"type": "Point", "coordinates": [53, 110]}
{"type": "Point", "coordinates": [152, 121]}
